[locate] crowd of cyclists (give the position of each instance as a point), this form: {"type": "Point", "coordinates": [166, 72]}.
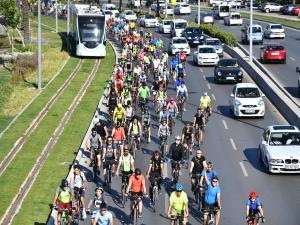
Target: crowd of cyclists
{"type": "Point", "coordinates": [139, 83]}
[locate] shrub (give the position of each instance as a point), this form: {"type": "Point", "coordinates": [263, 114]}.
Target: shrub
{"type": "Point", "coordinates": [24, 65]}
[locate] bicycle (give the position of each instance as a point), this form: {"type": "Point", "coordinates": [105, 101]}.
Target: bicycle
{"type": "Point", "coordinates": [143, 103]}
{"type": "Point", "coordinates": [108, 175]}
{"type": "Point", "coordinates": [146, 132]}
{"type": "Point", "coordinates": [154, 189]}
{"type": "Point", "coordinates": [134, 215]}
{"type": "Point", "coordinates": [119, 147]}
{"type": "Point", "coordinates": [96, 170]}
{"type": "Point", "coordinates": [199, 191]}
{"type": "Point", "coordinates": [77, 204]}
{"type": "Point", "coordinates": [254, 219]}
{"type": "Point", "coordinates": [125, 181]}
{"type": "Point", "coordinates": [198, 129]}
{"type": "Point", "coordinates": [177, 219]}
{"type": "Point", "coordinates": [172, 117]}
{"type": "Point", "coordinates": [180, 102]}
{"type": "Point", "coordinates": [175, 172]}
{"type": "Point", "coordinates": [159, 105]}
{"type": "Point", "coordinates": [211, 215]}
{"type": "Point", "coordinates": [134, 143]}
{"type": "Point", "coordinates": [163, 145]}
{"type": "Point", "coordinates": [64, 215]}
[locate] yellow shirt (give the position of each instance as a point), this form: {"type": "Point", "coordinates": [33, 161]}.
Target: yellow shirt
{"type": "Point", "coordinates": [178, 203]}
{"type": "Point", "coordinates": [204, 102]}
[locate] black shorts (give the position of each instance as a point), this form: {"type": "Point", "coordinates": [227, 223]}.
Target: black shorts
{"type": "Point", "coordinates": [200, 126]}
{"type": "Point", "coordinates": [79, 192]}
{"type": "Point", "coordinates": [154, 176]}
{"type": "Point", "coordinates": [187, 141]}
{"type": "Point", "coordinates": [108, 162]}
{"type": "Point", "coordinates": [126, 175]}
{"type": "Point", "coordinates": [207, 206]}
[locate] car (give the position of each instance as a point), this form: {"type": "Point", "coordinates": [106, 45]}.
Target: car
{"type": "Point", "coordinates": [232, 3]}
{"type": "Point", "coordinates": [221, 11]}
{"type": "Point", "coordinates": [228, 70]}
{"type": "Point", "coordinates": [216, 43]}
{"type": "Point", "coordinates": [194, 35]}
{"type": "Point", "coordinates": [165, 26]}
{"type": "Point", "coordinates": [148, 20]}
{"type": "Point", "coordinates": [279, 149]}
{"type": "Point", "coordinates": [154, 5]}
{"type": "Point", "coordinates": [274, 31]}
{"type": "Point", "coordinates": [179, 44]}
{"type": "Point", "coordinates": [133, 3]}
{"type": "Point", "coordinates": [255, 4]}
{"type": "Point", "coordinates": [205, 17]}
{"type": "Point", "coordinates": [271, 7]}
{"type": "Point", "coordinates": [112, 8]}
{"type": "Point", "coordinates": [214, 3]}
{"type": "Point", "coordinates": [246, 100]}
{"type": "Point", "coordinates": [177, 27]}
{"type": "Point", "coordinates": [287, 9]}
{"type": "Point", "coordinates": [205, 55]}
{"type": "Point", "coordinates": [257, 34]}
{"type": "Point", "coordinates": [234, 18]}
{"type": "Point", "coordinates": [273, 53]}
{"type": "Point", "coordinates": [181, 9]}
{"type": "Point", "coordinates": [296, 10]}
{"type": "Point", "coordinates": [129, 15]}
{"type": "Point", "coordinates": [170, 10]}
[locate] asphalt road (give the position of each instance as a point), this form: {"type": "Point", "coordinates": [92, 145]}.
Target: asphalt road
{"type": "Point", "coordinates": [232, 146]}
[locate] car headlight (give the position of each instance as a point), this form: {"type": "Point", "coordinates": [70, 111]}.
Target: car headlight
{"type": "Point", "coordinates": [199, 57]}
{"type": "Point", "coordinates": [201, 37]}
{"type": "Point", "coordinates": [261, 102]}
{"type": "Point", "coordinates": [240, 73]}
{"type": "Point", "coordinates": [276, 161]}
{"type": "Point", "coordinates": [237, 102]}
{"type": "Point", "coordinates": [219, 73]}
{"type": "Point", "coordinates": [189, 38]}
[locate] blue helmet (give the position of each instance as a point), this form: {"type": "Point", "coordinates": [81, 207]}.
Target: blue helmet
{"type": "Point", "coordinates": [179, 187]}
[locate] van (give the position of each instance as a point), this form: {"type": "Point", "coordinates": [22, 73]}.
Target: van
{"type": "Point", "coordinates": [177, 27]}
{"type": "Point", "coordinates": [110, 7]}
{"type": "Point", "coordinates": [221, 11]}
{"type": "Point", "coordinates": [257, 34]}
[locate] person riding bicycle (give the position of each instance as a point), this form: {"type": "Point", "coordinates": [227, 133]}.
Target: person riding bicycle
{"type": "Point", "coordinates": [159, 43]}
{"type": "Point", "coordinates": [173, 68]}
{"type": "Point", "coordinates": [155, 172]}
{"type": "Point", "coordinates": [178, 82]}
{"type": "Point", "coordinates": [181, 70]}
{"type": "Point", "coordinates": [144, 93]}
{"type": "Point", "coordinates": [178, 205]}
{"type": "Point", "coordinates": [127, 162]}
{"type": "Point", "coordinates": [154, 88]}
{"type": "Point", "coordinates": [118, 134]}
{"type": "Point", "coordinates": [198, 163]}
{"type": "Point", "coordinates": [210, 173]}
{"type": "Point", "coordinates": [104, 217]}
{"type": "Point", "coordinates": [161, 96]}
{"type": "Point", "coordinates": [137, 70]}
{"type": "Point", "coordinates": [119, 114]}
{"type": "Point", "coordinates": [254, 206]}
{"type": "Point", "coordinates": [63, 199]}
{"type": "Point", "coordinates": [172, 108]}
{"type": "Point", "coordinates": [199, 124]}
{"type": "Point", "coordinates": [95, 201]}
{"type": "Point", "coordinates": [163, 133]}
{"type": "Point", "coordinates": [101, 129]}
{"type": "Point", "coordinates": [129, 112]}
{"type": "Point", "coordinates": [212, 200]}
{"type": "Point", "coordinates": [156, 63]}
{"type": "Point", "coordinates": [165, 58]}
{"type": "Point", "coordinates": [205, 103]}
{"type": "Point", "coordinates": [109, 155]}
{"type": "Point", "coordinates": [113, 100]}
{"type": "Point", "coordinates": [176, 152]}
{"type": "Point", "coordinates": [93, 144]}
{"type": "Point", "coordinates": [188, 136]}
{"type": "Point", "coordinates": [164, 115]}
{"type": "Point", "coordinates": [146, 122]}
{"type": "Point", "coordinates": [137, 186]}
{"type": "Point", "coordinates": [142, 78]}
{"type": "Point", "coordinates": [135, 130]}
{"type": "Point", "coordinates": [182, 94]}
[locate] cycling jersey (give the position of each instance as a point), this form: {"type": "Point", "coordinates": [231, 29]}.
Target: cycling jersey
{"type": "Point", "coordinates": [178, 202]}
{"type": "Point", "coordinates": [163, 130]}
{"type": "Point", "coordinates": [129, 112]}
{"type": "Point", "coordinates": [144, 92]}
{"type": "Point", "coordinates": [146, 60]}
{"type": "Point", "coordinates": [156, 165]}
{"type": "Point", "coordinates": [212, 193]}
{"type": "Point", "coordinates": [205, 102]}
{"type": "Point", "coordinates": [173, 64]}
{"type": "Point", "coordinates": [135, 128]}
{"type": "Point", "coordinates": [156, 63]}
{"type": "Point", "coordinates": [199, 117]}
{"type": "Point", "coordinates": [143, 78]}
{"type": "Point", "coordinates": [164, 116]}
{"type": "Point", "coordinates": [119, 134]}
{"type": "Point", "coordinates": [126, 161]}
{"type": "Point", "coordinates": [198, 164]}
{"type": "Point", "coordinates": [64, 196]}
{"type": "Point", "coordinates": [137, 184]}
{"type": "Point", "coordinates": [172, 106]}
{"type": "Point", "coordinates": [137, 70]}
{"type": "Point", "coordinates": [179, 82]}
{"type": "Point", "coordinates": [159, 43]}
{"type": "Point", "coordinates": [187, 132]}
{"type": "Point", "coordinates": [119, 113]}
{"type": "Point", "coordinates": [254, 205]}
{"type": "Point", "coordinates": [181, 91]}
{"type": "Point", "coordinates": [161, 95]}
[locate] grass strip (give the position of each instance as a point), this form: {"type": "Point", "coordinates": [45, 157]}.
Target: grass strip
{"type": "Point", "coordinates": [35, 209]}
{"type": "Point", "coordinates": [13, 177]}
{"type": "Point", "coordinates": [18, 128]}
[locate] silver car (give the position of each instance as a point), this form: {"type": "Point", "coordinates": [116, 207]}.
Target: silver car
{"type": "Point", "coordinates": [205, 17]}
{"type": "Point", "coordinates": [216, 43]}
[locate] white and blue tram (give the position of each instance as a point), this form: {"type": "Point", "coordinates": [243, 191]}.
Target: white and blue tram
{"type": "Point", "coordinates": [87, 30]}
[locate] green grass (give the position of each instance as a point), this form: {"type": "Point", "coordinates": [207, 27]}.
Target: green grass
{"type": "Point", "coordinates": [50, 21]}
{"type": "Point", "coordinates": [14, 175]}
{"type": "Point", "coordinates": [35, 207]}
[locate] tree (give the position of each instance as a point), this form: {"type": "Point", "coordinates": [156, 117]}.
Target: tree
{"type": "Point", "coordinates": [25, 23]}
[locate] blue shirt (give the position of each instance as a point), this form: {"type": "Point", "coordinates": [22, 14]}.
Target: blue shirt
{"type": "Point", "coordinates": [173, 64]}
{"type": "Point", "coordinates": [154, 40]}
{"type": "Point", "coordinates": [253, 205]}
{"type": "Point", "coordinates": [178, 82]}
{"type": "Point", "coordinates": [180, 70]}
{"type": "Point", "coordinates": [177, 59]}
{"type": "Point", "coordinates": [158, 53]}
{"type": "Point", "coordinates": [212, 193]}
{"type": "Point", "coordinates": [103, 220]}
{"type": "Point", "coordinates": [165, 115]}
{"type": "Point", "coordinates": [210, 174]}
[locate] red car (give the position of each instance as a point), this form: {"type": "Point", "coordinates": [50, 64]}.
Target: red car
{"type": "Point", "coordinates": [273, 53]}
{"type": "Point", "coordinates": [296, 10]}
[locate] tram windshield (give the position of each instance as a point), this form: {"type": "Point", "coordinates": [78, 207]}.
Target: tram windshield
{"type": "Point", "coordinates": [91, 28]}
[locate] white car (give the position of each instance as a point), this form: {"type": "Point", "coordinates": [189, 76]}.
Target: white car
{"type": "Point", "coordinates": [112, 8]}
{"type": "Point", "coordinates": [179, 44]}
{"type": "Point", "coordinates": [205, 17]}
{"type": "Point", "coordinates": [148, 20]}
{"type": "Point", "coordinates": [216, 43]}
{"type": "Point", "coordinates": [205, 55]}
{"type": "Point", "coordinates": [154, 5]}
{"type": "Point", "coordinates": [271, 7]}
{"type": "Point", "coordinates": [129, 15]}
{"type": "Point", "coordinates": [164, 26]}
{"type": "Point", "coordinates": [170, 10]}
{"type": "Point", "coordinates": [234, 18]}
{"type": "Point", "coordinates": [246, 100]}
{"type": "Point", "coordinates": [279, 149]}
{"type": "Point", "coordinates": [181, 9]}
{"type": "Point", "coordinates": [274, 31]}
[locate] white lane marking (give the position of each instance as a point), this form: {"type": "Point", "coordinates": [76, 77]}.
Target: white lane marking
{"type": "Point", "coordinates": [166, 203]}
{"type": "Point", "coordinates": [291, 58]}
{"type": "Point", "coordinates": [213, 96]}
{"type": "Point", "coordinates": [201, 70]}
{"type": "Point", "coordinates": [209, 87]}
{"type": "Point", "coordinates": [233, 144]}
{"type": "Point", "coordinates": [244, 169]}
{"type": "Point", "coordinates": [225, 124]}
{"type": "Point", "coordinates": [204, 77]}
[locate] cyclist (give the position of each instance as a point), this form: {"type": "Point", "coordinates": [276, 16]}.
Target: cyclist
{"type": "Point", "coordinates": [154, 89]}
{"type": "Point", "coordinates": [212, 200]}
{"type": "Point", "coordinates": [159, 43]}
{"type": "Point", "coordinates": [176, 152]}
{"type": "Point", "coordinates": [188, 137]}
{"type": "Point", "coordinates": [137, 70]}
{"type": "Point", "coordinates": [161, 97]}
{"type": "Point", "coordinates": [180, 70]}
{"type": "Point", "coordinates": [144, 93]}
{"type": "Point", "coordinates": [205, 103]}
{"type": "Point", "coordinates": [129, 113]}
{"type": "Point", "coordinates": [254, 206]}
{"type": "Point", "coordinates": [182, 57]}
{"type": "Point", "coordinates": [165, 58]}
{"type": "Point", "coordinates": [93, 144]}
{"type": "Point", "coordinates": [95, 202]}
{"type": "Point", "coordinates": [199, 124]}
{"type": "Point", "coordinates": [156, 63]}
{"type": "Point", "coordinates": [119, 114]}
{"type": "Point", "coordinates": [198, 163]}
{"type": "Point", "coordinates": [210, 173]}
{"type": "Point", "coordinates": [182, 94]}
{"type": "Point", "coordinates": [172, 108]}
{"type": "Point", "coordinates": [146, 120]}
{"type": "Point", "coordinates": [178, 82]}
{"type": "Point", "coordinates": [109, 156]}
{"type": "Point", "coordinates": [135, 130]}
{"type": "Point", "coordinates": [118, 134]}
{"type": "Point", "coordinates": [164, 115]}
{"type": "Point", "coordinates": [101, 129]}
{"type": "Point", "coordinates": [178, 205]}
{"type": "Point", "coordinates": [127, 162]}
{"type": "Point", "coordinates": [63, 198]}
{"type": "Point", "coordinates": [142, 78]}
{"type": "Point", "coordinates": [173, 68]}
{"type": "Point", "coordinates": [113, 100]}
{"type": "Point", "coordinates": [104, 217]}
{"type": "Point", "coordinates": [163, 132]}
{"type": "Point", "coordinates": [137, 186]}
{"type": "Point", "coordinates": [155, 172]}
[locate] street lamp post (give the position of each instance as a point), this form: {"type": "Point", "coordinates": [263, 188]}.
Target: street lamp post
{"type": "Point", "coordinates": [166, 8]}
{"type": "Point", "coordinates": [68, 18]}
{"type": "Point", "coordinates": [251, 33]}
{"type": "Point", "coordinates": [199, 12]}
{"type": "Point", "coordinates": [56, 17]}
{"type": "Point", "coordinates": [39, 48]}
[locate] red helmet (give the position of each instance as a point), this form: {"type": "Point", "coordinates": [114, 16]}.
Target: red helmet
{"type": "Point", "coordinates": [253, 194]}
{"type": "Point", "coordinates": [171, 99]}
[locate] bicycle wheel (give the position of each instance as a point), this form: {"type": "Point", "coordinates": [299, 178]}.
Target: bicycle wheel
{"type": "Point", "coordinates": [109, 178]}
{"type": "Point", "coordinates": [135, 216]}
{"type": "Point", "coordinates": [155, 198]}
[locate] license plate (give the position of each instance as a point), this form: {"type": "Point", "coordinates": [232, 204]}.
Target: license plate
{"type": "Point", "coordinates": [275, 53]}
{"type": "Point", "coordinates": [196, 41]}
{"type": "Point", "coordinates": [249, 111]}
{"type": "Point", "coordinates": [229, 78]}
{"type": "Point", "coordinates": [292, 167]}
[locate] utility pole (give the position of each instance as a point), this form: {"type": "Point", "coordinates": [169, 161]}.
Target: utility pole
{"type": "Point", "coordinates": [56, 17]}
{"type": "Point", "coordinates": [251, 33]}
{"type": "Point", "coordinates": [39, 48]}
{"type": "Point", "coordinates": [166, 8]}
{"type": "Point", "coordinates": [199, 12]}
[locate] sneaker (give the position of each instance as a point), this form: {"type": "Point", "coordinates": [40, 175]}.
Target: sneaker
{"type": "Point", "coordinates": [149, 140]}
{"type": "Point", "coordinates": [83, 214]}
{"type": "Point", "coordinates": [140, 215]}
{"type": "Point", "coordinates": [98, 173]}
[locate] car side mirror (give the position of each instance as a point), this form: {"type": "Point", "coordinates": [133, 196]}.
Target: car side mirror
{"type": "Point", "coordinates": [297, 70]}
{"type": "Point", "coordinates": [232, 95]}
{"type": "Point", "coordinates": [263, 95]}
{"type": "Point", "coordinates": [264, 142]}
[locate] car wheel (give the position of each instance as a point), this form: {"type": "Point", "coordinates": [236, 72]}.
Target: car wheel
{"type": "Point", "coordinates": [216, 80]}
{"type": "Point", "coordinates": [283, 61]}
{"type": "Point", "coordinates": [262, 60]}
{"type": "Point", "coordinates": [267, 10]}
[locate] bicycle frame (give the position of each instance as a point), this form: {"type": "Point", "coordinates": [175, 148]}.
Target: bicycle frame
{"type": "Point", "coordinates": [177, 219]}
{"type": "Point", "coordinates": [77, 203]}
{"type": "Point", "coordinates": [175, 172]}
{"type": "Point", "coordinates": [163, 146]}
{"type": "Point", "coordinates": [253, 219]}
{"type": "Point", "coordinates": [135, 200]}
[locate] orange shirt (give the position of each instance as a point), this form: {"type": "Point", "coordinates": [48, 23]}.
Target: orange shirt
{"type": "Point", "coordinates": [119, 134]}
{"type": "Point", "coordinates": [137, 184]}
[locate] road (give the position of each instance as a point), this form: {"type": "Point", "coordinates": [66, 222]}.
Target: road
{"type": "Point", "coordinates": [232, 146]}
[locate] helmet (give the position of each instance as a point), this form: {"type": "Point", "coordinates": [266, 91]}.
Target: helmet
{"type": "Point", "coordinates": [253, 194]}
{"type": "Point", "coordinates": [171, 99]}
{"type": "Point", "coordinates": [99, 187]}
{"type": "Point", "coordinates": [179, 187]}
{"type": "Point", "coordinates": [214, 178]}
{"type": "Point", "coordinates": [119, 106]}
{"type": "Point", "coordinates": [177, 137]}
{"type": "Point", "coordinates": [64, 183]}
{"type": "Point", "coordinates": [205, 93]}
{"type": "Point", "coordinates": [137, 171]}
{"type": "Point", "coordinates": [180, 66]}
{"type": "Point", "coordinates": [103, 205]}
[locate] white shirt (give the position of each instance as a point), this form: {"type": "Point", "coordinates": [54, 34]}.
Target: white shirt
{"type": "Point", "coordinates": [156, 63]}
{"type": "Point", "coordinates": [78, 180]}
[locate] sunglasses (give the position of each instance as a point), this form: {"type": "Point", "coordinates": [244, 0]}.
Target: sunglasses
{"type": "Point", "coordinates": [103, 210]}
{"type": "Point", "coordinates": [198, 153]}
{"type": "Point", "coordinates": [214, 181]}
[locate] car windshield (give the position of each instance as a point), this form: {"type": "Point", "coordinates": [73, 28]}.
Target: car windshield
{"type": "Point", "coordinates": [275, 48]}
{"type": "Point", "coordinates": [236, 16]}
{"type": "Point", "coordinates": [150, 17]}
{"type": "Point", "coordinates": [184, 6]}
{"type": "Point", "coordinates": [167, 22]}
{"type": "Point", "coordinates": [129, 13]}
{"type": "Point", "coordinates": [213, 42]}
{"type": "Point", "coordinates": [108, 12]}
{"type": "Point", "coordinates": [180, 25]}
{"type": "Point", "coordinates": [112, 7]}
{"type": "Point", "coordinates": [207, 50]}
{"type": "Point", "coordinates": [246, 92]}
{"type": "Point", "coordinates": [276, 27]}
{"type": "Point", "coordinates": [224, 9]}
{"type": "Point", "coordinates": [285, 138]}
{"type": "Point", "coordinates": [228, 63]}
{"type": "Point", "coordinates": [207, 13]}
{"type": "Point", "coordinates": [179, 41]}
{"type": "Point", "coordinates": [256, 30]}
{"type": "Point", "coordinates": [91, 28]}
{"type": "Point", "coordinates": [191, 30]}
